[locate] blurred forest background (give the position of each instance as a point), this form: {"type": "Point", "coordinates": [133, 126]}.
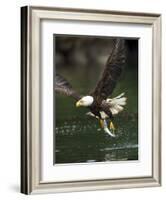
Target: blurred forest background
{"type": "Point", "coordinates": [77, 137]}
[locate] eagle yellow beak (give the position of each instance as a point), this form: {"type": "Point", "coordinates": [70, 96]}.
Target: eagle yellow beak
{"type": "Point", "coordinates": [78, 104]}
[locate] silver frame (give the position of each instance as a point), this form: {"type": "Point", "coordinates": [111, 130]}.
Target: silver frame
{"type": "Point", "coordinates": [30, 98]}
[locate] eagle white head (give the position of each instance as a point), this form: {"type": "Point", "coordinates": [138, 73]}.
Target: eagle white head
{"type": "Point", "coordinates": [85, 101]}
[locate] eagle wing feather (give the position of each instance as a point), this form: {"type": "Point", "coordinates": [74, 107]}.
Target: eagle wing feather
{"type": "Point", "coordinates": [62, 86]}
{"type": "Point", "coordinates": [112, 71]}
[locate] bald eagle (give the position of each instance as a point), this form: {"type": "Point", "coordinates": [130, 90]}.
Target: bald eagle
{"type": "Point", "coordinates": [99, 103]}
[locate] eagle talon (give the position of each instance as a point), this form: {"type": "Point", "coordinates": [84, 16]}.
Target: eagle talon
{"type": "Point", "coordinates": [106, 129]}
{"type": "Point", "coordinates": [101, 123]}
{"type": "Point", "coordinates": [112, 127]}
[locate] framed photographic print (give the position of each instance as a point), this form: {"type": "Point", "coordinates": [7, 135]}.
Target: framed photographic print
{"type": "Point", "coordinates": [91, 97]}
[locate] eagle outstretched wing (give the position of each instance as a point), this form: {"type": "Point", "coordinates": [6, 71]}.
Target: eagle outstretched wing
{"type": "Point", "coordinates": [112, 71]}
{"type": "Point", "coordinates": [62, 86]}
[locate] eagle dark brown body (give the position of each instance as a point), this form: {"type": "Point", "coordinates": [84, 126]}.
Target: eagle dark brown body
{"type": "Point", "coordinates": [96, 108]}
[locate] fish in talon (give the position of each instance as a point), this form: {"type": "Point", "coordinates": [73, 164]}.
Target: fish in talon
{"type": "Point", "coordinates": [106, 129]}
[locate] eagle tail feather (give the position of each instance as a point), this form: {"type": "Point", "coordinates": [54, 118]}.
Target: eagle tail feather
{"type": "Point", "coordinates": [117, 103]}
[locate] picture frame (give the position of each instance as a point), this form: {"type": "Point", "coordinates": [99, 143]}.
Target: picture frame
{"type": "Point", "coordinates": [31, 98]}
